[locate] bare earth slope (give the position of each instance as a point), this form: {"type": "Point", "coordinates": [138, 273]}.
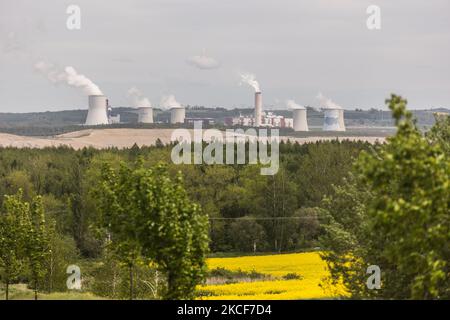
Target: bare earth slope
{"type": "Point", "coordinates": [123, 138]}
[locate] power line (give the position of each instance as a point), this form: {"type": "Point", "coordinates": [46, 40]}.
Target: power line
{"type": "Point", "coordinates": [267, 218]}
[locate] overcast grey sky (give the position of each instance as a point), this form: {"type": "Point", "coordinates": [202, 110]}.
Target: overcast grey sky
{"type": "Point", "coordinates": [296, 48]}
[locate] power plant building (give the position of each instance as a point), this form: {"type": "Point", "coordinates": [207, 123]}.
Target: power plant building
{"type": "Point", "coordinates": [145, 115]}
{"type": "Point", "coordinates": [268, 119]}
{"type": "Point", "coordinates": [300, 122]}
{"type": "Point", "coordinates": [177, 115]}
{"type": "Point", "coordinates": [98, 111]}
{"type": "Point", "coordinates": [333, 120]}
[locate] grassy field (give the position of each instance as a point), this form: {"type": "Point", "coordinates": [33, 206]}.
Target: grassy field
{"type": "Point", "coordinates": [273, 277]}
{"type": "Point", "coordinates": [306, 272]}
{"type": "Point", "coordinates": [21, 292]}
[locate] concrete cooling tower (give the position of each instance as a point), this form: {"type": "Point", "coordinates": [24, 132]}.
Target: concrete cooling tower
{"type": "Point", "coordinates": [258, 109]}
{"type": "Point", "coordinates": [300, 120]}
{"type": "Point", "coordinates": [145, 115]}
{"type": "Point", "coordinates": [333, 120]}
{"type": "Point", "coordinates": [177, 115]}
{"type": "Point", "coordinates": [98, 111]}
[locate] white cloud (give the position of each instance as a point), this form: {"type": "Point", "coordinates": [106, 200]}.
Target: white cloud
{"type": "Point", "coordinates": [203, 62]}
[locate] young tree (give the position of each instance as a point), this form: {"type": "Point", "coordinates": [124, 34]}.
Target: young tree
{"type": "Point", "coordinates": [37, 242]}
{"type": "Point", "coordinates": [401, 222]}
{"type": "Point", "coordinates": [145, 211]}
{"type": "Point", "coordinates": [12, 231]}
{"type": "Point", "coordinates": [118, 218]}
{"type": "Point", "coordinates": [440, 132]}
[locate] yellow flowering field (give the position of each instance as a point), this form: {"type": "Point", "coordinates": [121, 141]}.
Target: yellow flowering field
{"type": "Point", "coordinates": [308, 265]}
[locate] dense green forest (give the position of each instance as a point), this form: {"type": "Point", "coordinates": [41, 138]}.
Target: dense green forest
{"type": "Point", "coordinates": [232, 196]}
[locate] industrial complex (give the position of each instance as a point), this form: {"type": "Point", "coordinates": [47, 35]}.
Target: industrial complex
{"type": "Point", "coordinates": [99, 113]}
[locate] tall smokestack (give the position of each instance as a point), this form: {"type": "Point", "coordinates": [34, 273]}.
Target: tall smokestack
{"type": "Point", "coordinates": [258, 109]}
{"type": "Point", "coordinates": [341, 120]}
{"type": "Point", "coordinates": [98, 111]}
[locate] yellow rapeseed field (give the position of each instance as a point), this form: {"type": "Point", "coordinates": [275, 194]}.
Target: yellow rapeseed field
{"type": "Point", "coordinates": [309, 266]}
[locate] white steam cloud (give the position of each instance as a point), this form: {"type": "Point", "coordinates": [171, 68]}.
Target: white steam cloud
{"type": "Point", "coordinates": [249, 79]}
{"type": "Point", "coordinates": [68, 76]}
{"type": "Point", "coordinates": [169, 102]}
{"type": "Point", "coordinates": [203, 62]}
{"type": "Point", "coordinates": [138, 98]}
{"type": "Point", "coordinates": [293, 105]}
{"type": "Point", "coordinates": [326, 103]}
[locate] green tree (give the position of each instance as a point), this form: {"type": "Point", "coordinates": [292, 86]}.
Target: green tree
{"type": "Point", "coordinates": [401, 219]}
{"type": "Point", "coordinates": [247, 235]}
{"type": "Point", "coordinates": [145, 211]}
{"type": "Point", "coordinates": [12, 230]}
{"type": "Point", "coordinates": [37, 242]}
{"type": "Point", "coordinates": [440, 132]}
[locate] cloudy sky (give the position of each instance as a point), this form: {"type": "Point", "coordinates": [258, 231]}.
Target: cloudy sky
{"type": "Point", "coordinates": [196, 49]}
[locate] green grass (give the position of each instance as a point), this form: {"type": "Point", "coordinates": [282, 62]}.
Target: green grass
{"type": "Point", "coordinates": [21, 292]}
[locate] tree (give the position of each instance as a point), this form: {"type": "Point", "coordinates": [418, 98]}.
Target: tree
{"type": "Point", "coordinates": [440, 132]}
{"type": "Point", "coordinates": [12, 230]}
{"type": "Point", "coordinates": [247, 235]}
{"type": "Point", "coordinates": [37, 242]}
{"type": "Point", "coordinates": [400, 221]}
{"type": "Point", "coordinates": [146, 212]}
{"type": "Point", "coordinates": [118, 217]}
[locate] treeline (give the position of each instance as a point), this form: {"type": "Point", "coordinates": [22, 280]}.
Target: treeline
{"type": "Point", "coordinates": [236, 197]}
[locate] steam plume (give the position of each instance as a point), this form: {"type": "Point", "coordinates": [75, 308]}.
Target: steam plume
{"type": "Point", "coordinates": [293, 105]}
{"type": "Point", "coordinates": [68, 76]}
{"type": "Point", "coordinates": [326, 103]}
{"type": "Point", "coordinates": [249, 79]}
{"type": "Point", "coordinates": [169, 102]}
{"type": "Point", "coordinates": [138, 98]}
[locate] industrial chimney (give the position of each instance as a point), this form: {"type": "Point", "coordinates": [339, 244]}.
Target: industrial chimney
{"type": "Point", "coordinates": [258, 109]}
{"type": "Point", "coordinates": [341, 120]}
{"type": "Point", "coordinates": [333, 120]}
{"type": "Point", "coordinates": [145, 115]}
{"type": "Point", "coordinates": [98, 111]}
{"type": "Point", "coordinates": [177, 114]}
{"type": "Point", "coordinates": [300, 120]}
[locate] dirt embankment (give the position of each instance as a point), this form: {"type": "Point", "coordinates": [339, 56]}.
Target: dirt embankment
{"type": "Point", "coordinates": [125, 138]}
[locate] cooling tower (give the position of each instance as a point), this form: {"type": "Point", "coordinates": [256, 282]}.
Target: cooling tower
{"type": "Point", "coordinates": [258, 109]}
{"type": "Point", "coordinates": [177, 115]}
{"type": "Point", "coordinates": [97, 113]}
{"type": "Point", "coordinates": [333, 120]}
{"type": "Point", "coordinates": [300, 121]}
{"type": "Point", "coordinates": [145, 115]}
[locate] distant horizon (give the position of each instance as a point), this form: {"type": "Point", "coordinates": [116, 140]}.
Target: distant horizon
{"type": "Point", "coordinates": [218, 53]}
{"type": "Point", "coordinates": [230, 109]}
